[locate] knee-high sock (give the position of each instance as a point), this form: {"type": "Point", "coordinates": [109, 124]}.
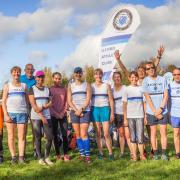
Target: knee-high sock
{"type": "Point", "coordinates": [86, 143]}
{"type": "Point", "coordinates": [80, 146]}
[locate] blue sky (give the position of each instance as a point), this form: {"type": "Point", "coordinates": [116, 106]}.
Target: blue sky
{"type": "Point", "coordinates": [30, 32]}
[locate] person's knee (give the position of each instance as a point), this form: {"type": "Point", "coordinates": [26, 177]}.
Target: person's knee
{"type": "Point", "coordinates": [106, 135]}
{"type": "Point", "coordinates": [176, 134]}
{"type": "Point", "coordinates": [121, 134]}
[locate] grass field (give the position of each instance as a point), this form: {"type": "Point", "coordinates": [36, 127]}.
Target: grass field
{"type": "Point", "coordinates": [98, 169]}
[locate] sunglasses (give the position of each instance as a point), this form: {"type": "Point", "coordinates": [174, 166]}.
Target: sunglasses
{"type": "Point", "coordinates": [147, 69]}
{"type": "Point", "coordinates": [176, 74]}
{"type": "Point", "coordinates": [29, 69]}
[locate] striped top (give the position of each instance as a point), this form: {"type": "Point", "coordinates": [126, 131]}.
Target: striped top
{"type": "Point", "coordinates": [133, 95]}
{"type": "Point", "coordinates": [16, 101]}
{"type": "Point", "coordinates": [79, 95]}
{"type": "Point", "coordinates": [118, 104]}
{"type": "Point", "coordinates": [155, 88]}
{"type": "Point", "coordinates": [42, 96]}
{"type": "Point", "coordinates": [100, 95]}
{"type": "Point", "coordinates": [174, 93]}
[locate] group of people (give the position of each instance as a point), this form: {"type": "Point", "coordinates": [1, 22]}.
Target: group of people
{"type": "Point", "coordinates": [148, 101]}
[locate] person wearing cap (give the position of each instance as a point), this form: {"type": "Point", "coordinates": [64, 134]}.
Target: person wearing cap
{"type": "Point", "coordinates": [14, 102]}
{"type": "Point", "coordinates": [29, 79]}
{"type": "Point", "coordinates": [79, 95]}
{"type": "Point", "coordinates": [40, 99]}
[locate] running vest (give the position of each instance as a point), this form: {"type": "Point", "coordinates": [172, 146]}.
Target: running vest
{"type": "Point", "coordinates": [100, 95]}
{"type": "Point", "coordinates": [174, 92]}
{"type": "Point", "coordinates": [41, 97]}
{"type": "Point", "coordinates": [16, 101]}
{"type": "Point", "coordinates": [79, 94]}
{"type": "Point", "coordinates": [118, 103]}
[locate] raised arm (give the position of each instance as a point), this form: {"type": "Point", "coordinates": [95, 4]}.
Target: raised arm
{"type": "Point", "coordinates": [121, 65]}
{"type": "Point", "coordinates": [160, 52]}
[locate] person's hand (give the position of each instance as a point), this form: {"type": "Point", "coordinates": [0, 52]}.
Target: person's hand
{"type": "Point", "coordinates": [158, 111]}
{"type": "Point", "coordinates": [159, 117]}
{"type": "Point", "coordinates": [39, 109]}
{"type": "Point", "coordinates": [78, 112]}
{"type": "Point", "coordinates": [44, 120]}
{"type": "Point", "coordinates": [111, 117]}
{"type": "Point", "coordinates": [117, 55]}
{"type": "Point", "coordinates": [145, 120]}
{"type": "Point", "coordinates": [45, 106]}
{"type": "Point", "coordinates": [161, 51]}
{"type": "Point", "coordinates": [125, 122]}
{"type": "Point", "coordinates": [8, 119]}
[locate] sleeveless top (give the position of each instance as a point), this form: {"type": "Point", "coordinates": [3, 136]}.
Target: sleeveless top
{"type": "Point", "coordinates": [16, 101]}
{"type": "Point", "coordinates": [118, 103]}
{"type": "Point", "coordinates": [100, 95]}
{"type": "Point", "coordinates": [41, 97]}
{"type": "Point", "coordinates": [79, 94]}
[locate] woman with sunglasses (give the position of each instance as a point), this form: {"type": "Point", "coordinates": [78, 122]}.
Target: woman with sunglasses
{"type": "Point", "coordinates": [78, 96]}
{"type": "Point", "coordinates": [174, 92]}
{"type": "Point", "coordinates": [14, 103]}
{"type": "Point", "coordinates": [156, 93]}
{"type": "Point", "coordinates": [40, 99]}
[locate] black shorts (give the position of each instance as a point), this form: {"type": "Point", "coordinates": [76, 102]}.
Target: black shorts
{"type": "Point", "coordinates": [152, 120]}
{"type": "Point", "coordinates": [118, 120]}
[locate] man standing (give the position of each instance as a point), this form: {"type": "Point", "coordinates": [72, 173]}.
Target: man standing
{"type": "Point", "coordinates": [29, 80]}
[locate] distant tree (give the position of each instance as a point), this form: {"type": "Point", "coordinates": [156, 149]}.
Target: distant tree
{"type": "Point", "coordinates": [48, 76]}
{"type": "Point", "coordinates": [89, 74]}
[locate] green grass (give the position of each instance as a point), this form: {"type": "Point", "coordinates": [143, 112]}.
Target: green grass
{"type": "Point", "coordinates": [118, 169]}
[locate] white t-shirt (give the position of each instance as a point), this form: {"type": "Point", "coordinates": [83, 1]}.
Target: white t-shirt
{"type": "Point", "coordinates": [133, 95]}
{"type": "Point", "coordinates": [118, 104]}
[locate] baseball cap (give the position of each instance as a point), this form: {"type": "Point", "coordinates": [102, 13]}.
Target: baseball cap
{"type": "Point", "coordinates": [39, 73]}
{"type": "Point", "coordinates": [78, 70]}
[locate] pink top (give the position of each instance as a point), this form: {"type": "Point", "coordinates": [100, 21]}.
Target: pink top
{"type": "Point", "coordinates": [59, 101]}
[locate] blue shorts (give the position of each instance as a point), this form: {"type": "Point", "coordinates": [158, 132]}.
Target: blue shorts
{"type": "Point", "coordinates": [175, 122]}
{"type": "Point", "coordinates": [19, 118]}
{"type": "Point", "coordinates": [79, 120]}
{"type": "Point", "coordinates": [100, 114]}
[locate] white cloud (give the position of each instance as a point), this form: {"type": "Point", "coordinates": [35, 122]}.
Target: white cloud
{"type": "Point", "coordinates": [86, 53]}
{"type": "Point", "coordinates": [160, 25]}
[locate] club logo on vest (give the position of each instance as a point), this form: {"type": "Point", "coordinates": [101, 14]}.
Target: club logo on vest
{"type": "Point", "coordinates": [122, 20]}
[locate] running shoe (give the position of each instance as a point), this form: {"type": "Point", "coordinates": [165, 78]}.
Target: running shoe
{"type": "Point", "coordinates": [42, 162]}
{"type": "Point", "coordinates": [151, 154]}
{"type": "Point", "coordinates": [21, 160]}
{"type": "Point", "coordinates": [1, 159]}
{"type": "Point", "coordinates": [88, 160]}
{"type": "Point", "coordinates": [100, 156]}
{"type": "Point", "coordinates": [143, 158]}
{"type": "Point", "coordinates": [48, 162]}
{"type": "Point", "coordinates": [81, 158]}
{"type": "Point", "coordinates": [164, 157]}
{"type": "Point", "coordinates": [59, 157]}
{"type": "Point", "coordinates": [178, 156]}
{"type": "Point", "coordinates": [111, 157]}
{"type": "Point", "coordinates": [66, 158]}
{"type": "Point", "coordinates": [155, 157]}
{"type": "Point", "coordinates": [14, 160]}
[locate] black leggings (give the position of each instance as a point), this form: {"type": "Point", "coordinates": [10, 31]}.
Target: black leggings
{"type": "Point", "coordinates": [62, 123]}
{"type": "Point", "coordinates": [47, 128]}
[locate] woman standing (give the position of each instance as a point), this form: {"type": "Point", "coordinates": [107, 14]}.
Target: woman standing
{"type": "Point", "coordinates": [14, 103]}
{"type": "Point", "coordinates": [102, 111]}
{"type": "Point", "coordinates": [79, 95]}
{"type": "Point", "coordinates": [40, 100]}
{"type": "Point", "coordinates": [118, 91]}
{"type": "Point", "coordinates": [58, 115]}
{"type": "Point", "coordinates": [174, 92]}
